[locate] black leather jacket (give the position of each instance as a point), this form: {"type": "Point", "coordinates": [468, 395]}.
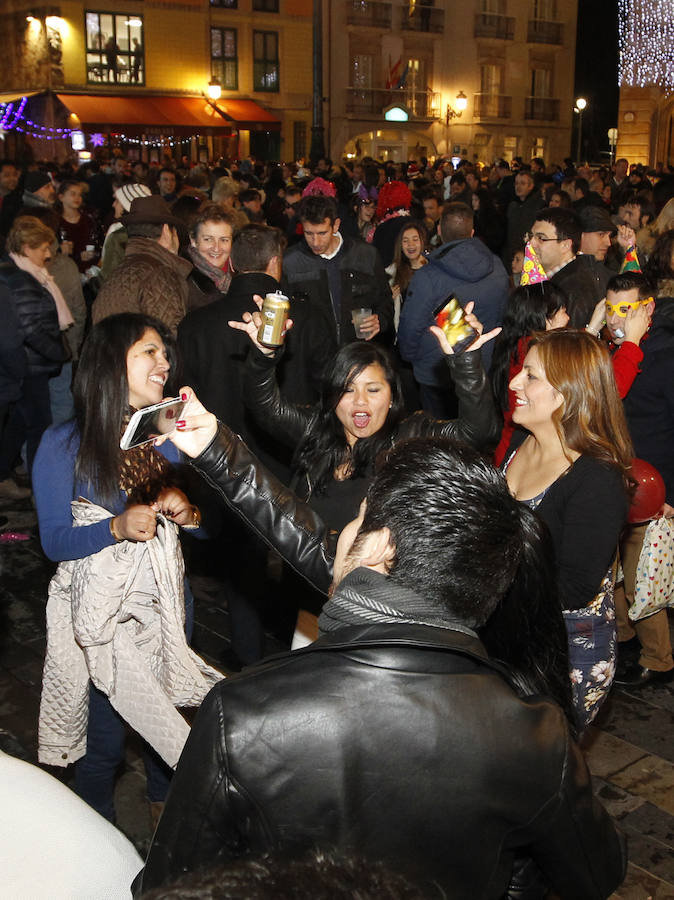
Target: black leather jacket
{"type": "Point", "coordinates": [403, 743]}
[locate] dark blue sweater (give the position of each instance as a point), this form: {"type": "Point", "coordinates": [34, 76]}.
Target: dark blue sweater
{"type": "Point", "coordinates": [54, 489]}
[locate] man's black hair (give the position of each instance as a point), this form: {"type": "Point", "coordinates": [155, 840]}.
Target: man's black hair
{"type": "Point", "coordinates": [582, 185]}
{"type": "Point", "coordinates": [254, 246]}
{"type": "Point", "coordinates": [318, 875]}
{"type": "Point", "coordinates": [628, 281]}
{"type": "Point", "coordinates": [316, 209]}
{"type": "Point", "coordinates": [249, 194]}
{"type": "Point", "coordinates": [566, 223]}
{"type": "Point", "coordinates": [456, 528]}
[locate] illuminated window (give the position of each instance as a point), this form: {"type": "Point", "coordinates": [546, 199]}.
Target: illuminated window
{"type": "Point", "coordinates": [115, 53]}
{"type": "Point", "coordinates": [224, 61]}
{"type": "Point", "coordinates": [265, 61]}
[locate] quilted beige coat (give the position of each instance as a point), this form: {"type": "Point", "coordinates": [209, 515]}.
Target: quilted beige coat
{"type": "Point", "coordinates": [117, 617]}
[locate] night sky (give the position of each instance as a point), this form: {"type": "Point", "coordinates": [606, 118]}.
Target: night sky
{"type": "Point", "coordinates": [596, 76]}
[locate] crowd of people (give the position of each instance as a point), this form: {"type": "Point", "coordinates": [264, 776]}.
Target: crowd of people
{"type": "Point", "coordinates": [441, 532]}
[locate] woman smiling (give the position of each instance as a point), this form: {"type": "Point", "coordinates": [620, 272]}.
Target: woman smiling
{"type": "Point", "coordinates": [210, 246]}
{"type": "Point", "coordinates": [572, 468]}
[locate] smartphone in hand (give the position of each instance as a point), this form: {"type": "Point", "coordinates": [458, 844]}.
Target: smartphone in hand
{"type": "Point", "coordinates": [149, 423]}
{"type": "Point", "coordinates": [451, 317]}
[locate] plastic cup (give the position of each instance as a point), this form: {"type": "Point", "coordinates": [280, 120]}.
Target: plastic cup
{"type": "Point", "coordinates": [357, 317]}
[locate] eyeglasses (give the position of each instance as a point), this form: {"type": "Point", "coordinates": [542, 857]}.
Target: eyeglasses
{"type": "Point", "coordinates": [540, 237]}
{"type": "Point", "coordinates": [621, 308]}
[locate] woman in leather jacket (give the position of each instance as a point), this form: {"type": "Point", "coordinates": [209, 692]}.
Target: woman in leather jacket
{"type": "Point", "coordinates": [360, 414]}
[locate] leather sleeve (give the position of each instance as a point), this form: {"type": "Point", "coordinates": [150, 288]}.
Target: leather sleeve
{"type": "Point", "coordinates": [205, 810]}
{"type": "Point", "coordinates": [575, 843]}
{"type": "Point", "coordinates": [268, 507]}
{"type": "Point", "coordinates": [286, 421]}
{"type": "Point", "coordinates": [478, 423]}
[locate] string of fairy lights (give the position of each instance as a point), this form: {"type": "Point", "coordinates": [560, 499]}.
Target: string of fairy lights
{"type": "Point", "coordinates": [646, 42]}
{"type": "Point", "coordinates": [13, 119]}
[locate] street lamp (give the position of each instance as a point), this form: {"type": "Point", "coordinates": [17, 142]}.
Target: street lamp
{"type": "Point", "coordinates": [581, 103]}
{"type": "Point", "coordinates": [214, 89]}
{"type": "Point", "coordinates": [461, 103]}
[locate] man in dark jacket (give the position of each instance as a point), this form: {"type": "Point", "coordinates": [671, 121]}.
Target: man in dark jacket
{"type": "Point", "coordinates": [214, 355]}
{"type": "Point", "coordinates": [394, 736]}
{"type": "Point", "coordinates": [462, 266]}
{"type": "Point", "coordinates": [338, 274]}
{"type": "Point", "coordinates": [649, 408]}
{"type": "Point", "coordinates": [521, 213]}
{"type": "Point", "coordinates": [556, 236]}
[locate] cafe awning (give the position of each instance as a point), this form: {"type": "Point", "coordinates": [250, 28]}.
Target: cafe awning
{"type": "Point", "coordinates": [181, 115]}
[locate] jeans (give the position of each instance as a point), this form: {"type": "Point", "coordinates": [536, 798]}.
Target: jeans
{"type": "Point", "coordinates": [60, 395]}
{"type": "Point", "coordinates": [96, 771]}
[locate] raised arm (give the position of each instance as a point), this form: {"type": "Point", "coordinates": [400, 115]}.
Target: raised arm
{"type": "Point", "coordinates": [273, 512]}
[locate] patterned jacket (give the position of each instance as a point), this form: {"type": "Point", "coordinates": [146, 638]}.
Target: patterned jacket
{"type": "Point", "coordinates": [151, 280]}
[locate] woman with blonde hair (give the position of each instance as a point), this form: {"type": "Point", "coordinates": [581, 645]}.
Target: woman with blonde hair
{"type": "Point", "coordinates": [225, 193]}
{"type": "Point", "coordinates": [571, 464]}
{"type": "Point", "coordinates": [42, 314]}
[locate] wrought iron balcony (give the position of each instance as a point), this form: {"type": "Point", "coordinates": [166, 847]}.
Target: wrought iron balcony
{"type": "Point", "coordinates": [372, 102]}
{"type": "Point", "coordinates": [542, 32]}
{"type": "Point", "coordinates": [370, 13]}
{"type": "Point", "coordinates": [494, 26]}
{"type": "Point", "coordinates": [423, 18]}
{"type": "Point", "coordinates": [492, 106]}
{"type": "Point", "coordinates": [544, 108]}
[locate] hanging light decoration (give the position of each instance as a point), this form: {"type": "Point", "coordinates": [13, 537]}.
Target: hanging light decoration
{"type": "Point", "coordinates": [646, 41]}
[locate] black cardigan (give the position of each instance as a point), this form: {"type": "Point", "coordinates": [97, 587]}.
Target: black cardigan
{"type": "Point", "coordinates": [585, 510]}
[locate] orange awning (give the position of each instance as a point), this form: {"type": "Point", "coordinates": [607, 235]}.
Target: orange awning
{"type": "Point", "coordinates": [180, 114]}
{"type": "Point", "coordinates": [248, 114]}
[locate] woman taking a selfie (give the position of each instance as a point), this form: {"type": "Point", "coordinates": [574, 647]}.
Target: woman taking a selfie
{"type": "Point", "coordinates": [571, 465]}
{"type": "Point", "coordinates": [116, 616]}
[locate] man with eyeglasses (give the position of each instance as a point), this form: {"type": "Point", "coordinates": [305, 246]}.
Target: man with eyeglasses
{"type": "Point", "coordinates": [556, 236]}
{"type": "Point", "coordinates": [649, 407]}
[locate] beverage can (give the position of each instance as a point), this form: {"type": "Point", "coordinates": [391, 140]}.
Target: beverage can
{"type": "Point", "coordinates": [275, 309]}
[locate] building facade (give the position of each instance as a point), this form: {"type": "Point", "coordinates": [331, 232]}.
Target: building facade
{"type": "Point", "coordinates": [128, 55]}
{"type": "Point", "coordinates": [510, 62]}
{"type": "Point", "coordinates": [646, 109]}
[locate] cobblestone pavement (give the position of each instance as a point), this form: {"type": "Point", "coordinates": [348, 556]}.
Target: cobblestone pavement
{"type": "Point", "coordinates": [630, 750]}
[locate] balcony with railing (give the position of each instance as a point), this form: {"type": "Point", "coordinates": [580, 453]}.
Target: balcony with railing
{"type": "Point", "coordinates": [423, 18]}
{"type": "Point", "coordinates": [373, 101]}
{"type": "Point", "coordinates": [544, 109]}
{"type": "Point", "coordinates": [492, 106]}
{"type": "Point", "coordinates": [371, 13]}
{"type": "Point", "coordinates": [541, 31]}
{"type": "Point", "coordinates": [494, 26]}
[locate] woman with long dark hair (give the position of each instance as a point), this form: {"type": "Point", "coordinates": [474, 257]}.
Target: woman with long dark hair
{"type": "Point", "coordinates": [360, 412]}
{"type": "Point", "coordinates": [573, 468]}
{"type": "Point", "coordinates": [116, 617]}
{"type": "Point", "coordinates": [409, 254]}
{"type": "Point", "coordinates": [530, 308]}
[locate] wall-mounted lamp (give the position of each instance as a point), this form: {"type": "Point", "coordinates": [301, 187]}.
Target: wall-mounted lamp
{"type": "Point", "coordinates": [214, 89]}
{"type": "Point", "coordinates": [461, 103]}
